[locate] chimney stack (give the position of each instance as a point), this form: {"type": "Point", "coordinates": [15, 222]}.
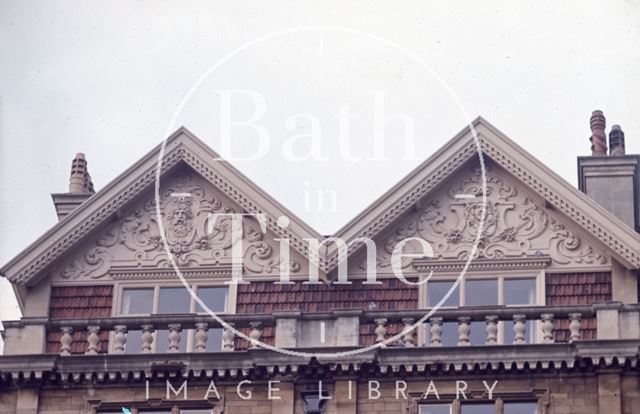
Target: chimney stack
{"type": "Point", "coordinates": [612, 181]}
{"type": "Point", "coordinates": [598, 137]}
{"type": "Point", "coordinates": [616, 141]}
{"type": "Point", "coordinates": [80, 180]}
{"type": "Point", "coordinates": [80, 188]}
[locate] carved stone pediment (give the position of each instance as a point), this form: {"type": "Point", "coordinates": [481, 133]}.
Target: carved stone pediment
{"type": "Point", "coordinates": [517, 225]}
{"type": "Point", "coordinates": [197, 230]}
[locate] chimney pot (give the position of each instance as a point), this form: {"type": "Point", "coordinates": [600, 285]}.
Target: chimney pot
{"type": "Point", "coordinates": [79, 179]}
{"type": "Point", "coordinates": [616, 141]}
{"type": "Point", "coordinates": [80, 188]}
{"type": "Point", "coordinates": [598, 137]}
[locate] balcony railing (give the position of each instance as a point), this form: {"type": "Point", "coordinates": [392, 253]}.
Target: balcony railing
{"type": "Point", "coordinates": [343, 327]}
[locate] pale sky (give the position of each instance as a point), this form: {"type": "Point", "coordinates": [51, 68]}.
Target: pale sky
{"type": "Point", "coordinates": [105, 78]}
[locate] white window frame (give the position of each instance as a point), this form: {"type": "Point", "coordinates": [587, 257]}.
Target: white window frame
{"type": "Point", "coordinates": [187, 334]}
{"type": "Point", "coordinates": [446, 405]}
{"type": "Point", "coordinates": [540, 299]}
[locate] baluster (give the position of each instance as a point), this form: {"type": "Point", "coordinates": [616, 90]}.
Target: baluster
{"type": "Point", "coordinates": [92, 340]}
{"type": "Point", "coordinates": [408, 336]}
{"type": "Point", "coordinates": [120, 338]}
{"type": "Point", "coordinates": [381, 330]}
{"type": "Point", "coordinates": [547, 328]}
{"type": "Point", "coordinates": [174, 337]}
{"type": "Point", "coordinates": [255, 334]}
{"type": "Point", "coordinates": [201, 336]}
{"type": "Point", "coordinates": [575, 326]}
{"type": "Point", "coordinates": [464, 329]}
{"type": "Point", "coordinates": [519, 329]}
{"type": "Point", "coordinates": [492, 330]}
{"type": "Point", "coordinates": [147, 339]}
{"type": "Point", "coordinates": [436, 331]}
{"type": "Point", "coordinates": [228, 336]}
{"type": "Point", "coordinates": [66, 340]}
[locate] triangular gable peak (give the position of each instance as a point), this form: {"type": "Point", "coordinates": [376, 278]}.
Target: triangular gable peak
{"type": "Point", "coordinates": [198, 231]}
{"type": "Point", "coordinates": [109, 204]}
{"type": "Point", "coordinates": [520, 230]}
{"type": "Point", "coordinates": [614, 238]}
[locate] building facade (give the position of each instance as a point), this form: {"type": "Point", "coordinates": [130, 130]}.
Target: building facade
{"type": "Point", "coordinates": [523, 300]}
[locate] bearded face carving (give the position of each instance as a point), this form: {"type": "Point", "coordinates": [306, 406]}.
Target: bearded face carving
{"type": "Point", "coordinates": [180, 229]}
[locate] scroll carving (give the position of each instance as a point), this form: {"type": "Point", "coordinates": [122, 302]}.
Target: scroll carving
{"type": "Point", "coordinates": [514, 226]}
{"type": "Point", "coordinates": [197, 231]}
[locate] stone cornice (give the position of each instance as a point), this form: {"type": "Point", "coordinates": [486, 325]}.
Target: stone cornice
{"type": "Point", "coordinates": [183, 147]}
{"type": "Point", "coordinates": [608, 229]}
{"type": "Point", "coordinates": [623, 242]}
{"type": "Point", "coordinates": [583, 355]}
{"type": "Point", "coordinates": [529, 263]}
{"type": "Point", "coordinates": [202, 272]}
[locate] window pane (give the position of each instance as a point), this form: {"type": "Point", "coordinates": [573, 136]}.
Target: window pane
{"type": "Point", "coordinates": [134, 342]}
{"type": "Point", "coordinates": [519, 291]}
{"type": "Point", "coordinates": [137, 301]}
{"type": "Point", "coordinates": [487, 408]}
{"type": "Point", "coordinates": [214, 297]}
{"type": "Point", "coordinates": [214, 340]}
{"type": "Point", "coordinates": [478, 334]}
{"type": "Point", "coordinates": [481, 292]}
{"type": "Point", "coordinates": [162, 341]}
{"type": "Point", "coordinates": [174, 300]}
{"type": "Point", "coordinates": [449, 335]}
{"type": "Point", "coordinates": [520, 408]}
{"type": "Point", "coordinates": [437, 290]}
{"type": "Point", "coordinates": [435, 409]}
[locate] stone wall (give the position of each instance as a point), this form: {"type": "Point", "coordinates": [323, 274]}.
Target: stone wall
{"type": "Point", "coordinates": [559, 393]}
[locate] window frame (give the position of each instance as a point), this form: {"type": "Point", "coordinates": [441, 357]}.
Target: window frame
{"type": "Point", "coordinates": [540, 296]}
{"type": "Point", "coordinates": [187, 334]}
{"type": "Point", "coordinates": [144, 407]}
{"type": "Point", "coordinates": [437, 404]}
{"type": "Point", "coordinates": [535, 401]}
{"type": "Point", "coordinates": [455, 405]}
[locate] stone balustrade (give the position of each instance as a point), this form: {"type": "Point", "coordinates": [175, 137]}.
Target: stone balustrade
{"type": "Point", "coordinates": [342, 328]}
{"type": "Point", "coordinates": [490, 320]}
{"type": "Point", "coordinates": [176, 325]}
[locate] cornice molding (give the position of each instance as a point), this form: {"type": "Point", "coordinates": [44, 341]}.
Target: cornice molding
{"type": "Point", "coordinates": [260, 363]}
{"type": "Point", "coordinates": [478, 265]}
{"type": "Point", "coordinates": [222, 272]}
{"type": "Point", "coordinates": [182, 146]}
{"type": "Point", "coordinates": [407, 201]}
{"type": "Point", "coordinates": [96, 218]}
{"type": "Point", "coordinates": [581, 209]}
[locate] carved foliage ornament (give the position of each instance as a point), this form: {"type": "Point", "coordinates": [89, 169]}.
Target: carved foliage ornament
{"type": "Point", "coordinates": [197, 230]}
{"type": "Point", "coordinates": [515, 226]}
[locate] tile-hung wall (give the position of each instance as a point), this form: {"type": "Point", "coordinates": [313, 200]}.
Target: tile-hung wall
{"type": "Point", "coordinates": [265, 297]}
{"type": "Point", "coordinates": [577, 289]}
{"type": "Point", "coordinates": [79, 302]}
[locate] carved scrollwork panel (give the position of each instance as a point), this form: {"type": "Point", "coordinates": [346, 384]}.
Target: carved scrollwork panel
{"type": "Point", "coordinates": [515, 226]}
{"type": "Point", "coordinates": [198, 232]}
